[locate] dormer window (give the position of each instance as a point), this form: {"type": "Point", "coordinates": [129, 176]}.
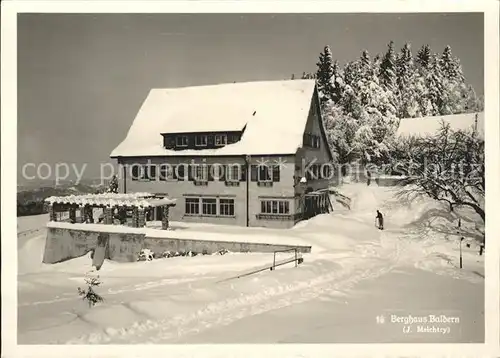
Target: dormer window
{"type": "Point", "coordinates": [200, 141]}
{"type": "Point", "coordinates": [181, 141]}
{"type": "Point", "coordinates": [220, 140]}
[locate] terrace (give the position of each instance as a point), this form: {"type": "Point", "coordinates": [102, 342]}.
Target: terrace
{"type": "Point", "coordinates": [123, 209]}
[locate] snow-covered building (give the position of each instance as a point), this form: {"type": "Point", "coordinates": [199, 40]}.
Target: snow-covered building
{"type": "Point", "coordinates": [431, 125]}
{"type": "Point", "coordinates": [233, 153]}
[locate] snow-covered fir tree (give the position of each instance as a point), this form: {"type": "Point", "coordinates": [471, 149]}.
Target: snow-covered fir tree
{"type": "Point", "coordinates": [387, 73]}
{"type": "Point", "coordinates": [434, 87]}
{"type": "Point", "coordinates": [423, 57]}
{"type": "Point", "coordinates": [113, 185]}
{"type": "Point", "coordinates": [455, 90]}
{"type": "Point", "coordinates": [362, 102]}
{"type": "Point", "coordinates": [340, 130]}
{"type": "Point", "coordinates": [406, 77]}
{"type": "Point", "coordinates": [337, 82]}
{"type": "Point", "coordinates": [324, 75]}
{"type": "Point", "coordinates": [423, 62]}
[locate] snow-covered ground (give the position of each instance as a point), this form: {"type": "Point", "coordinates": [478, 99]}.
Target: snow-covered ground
{"type": "Point", "coordinates": [354, 274]}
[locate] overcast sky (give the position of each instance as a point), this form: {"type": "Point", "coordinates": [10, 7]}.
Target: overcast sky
{"type": "Point", "coordinates": [83, 77]}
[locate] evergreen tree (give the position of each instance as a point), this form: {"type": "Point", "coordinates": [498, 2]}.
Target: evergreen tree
{"type": "Point", "coordinates": [406, 77]}
{"type": "Point", "coordinates": [450, 66]}
{"type": "Point", "coordinates": [337, 82]}
{"type": "Point", "coordinates": [423, 63]}
{"type": "Point", "coordinates": [113, 185]}
{"type": "Point", "coordinates": [340, 130]}
{"type": "Point", "coordinates": [388, 68]}
{"type": "Point", "coordinates": [424, 57]}
{"type": "Point", "coordinates": [455, 90]}
{"type": "Point", "coordinates": [434, 87]}
{"type": "Point", "coordinates": [324, 75]}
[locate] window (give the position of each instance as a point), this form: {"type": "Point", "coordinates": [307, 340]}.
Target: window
{"type": "Point", "coordinates": [226, 207]}
{"type": "Point", "coordinates": [275, 207]}
{"type": "Point", "coordinates": [180, 171]}
{"type": "Point", "coordinates": [264, 173]}
{"type": "Point", "coordinates": [192, 206]}
{"type": "Point", "coordinates": [181, 141]}
{"type": "Point", "coordinates": [200, 141]}
{"type": "Point", "coordinates": [200, 172]}
{"type": "Point", "coordinates": [167, 172]}
{"type": "Point", "coordinates": [233, 173]}
{"type": "Point", "coordinates": [209, 206]}
{"type": "Point", "coordinates": [143, 172]}
{"type": "Point", "coordinates": [220, 139]}
{"type": "Point", "coordinates": [232, 138]}
{"type": "Point", "coordinates": [314, 172]}
{"type": "Point", "coordinates": [311, 140]}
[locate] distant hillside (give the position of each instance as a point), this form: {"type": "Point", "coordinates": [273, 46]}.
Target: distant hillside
{"type": "Point", "coordinates": [31, 201]}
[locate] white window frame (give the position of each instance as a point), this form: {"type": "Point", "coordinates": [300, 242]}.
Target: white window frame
{"type": "Point", "coordinates": [198, 137]}
{"type": "Point", "coordinates": [199, 206]}
{"type": "Point", "coordinates": [231, 170]}
{"type": "Point", "coordinates": [200, 168]}
{"type": "Point", "coordinates": [229, 204]}
{"type": "Point", "coordinates": [170, 171]}
{"type": "Point", "coordinates": [273, 207]}
{"type": "Point", "coordinates": [269, 170]}
{"type": "Point", "coordinates": [218, 140]}
{"type": "Point", "coordinates": [181, 143]}
{"type": "Point", "coordinates": [203, 206]}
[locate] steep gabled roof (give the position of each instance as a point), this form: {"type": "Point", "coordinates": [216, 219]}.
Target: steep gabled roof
{"type": "Point", "coordinates": [430, 125]}
{"type": "Point", "coordinates": [275, 114]}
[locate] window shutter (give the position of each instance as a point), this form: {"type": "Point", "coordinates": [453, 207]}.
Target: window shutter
{"type": "Point", "coordinates": [222, 173]}
{"type": "Point", "coordinates": [210, 172]}
{"type": "Point", "coordinates": [190, 173]}
{"type": "Point", "coordinates": [210, 141]}
{"type": "Point", "coordinates": [180, 172]}
{"type": "Point", "coordinates": [163, 172]}
{"type": "Point", "coordinates": [135, 172]}
{"type": "Point", "coordinates": [253, 173]}
{"type": "Point", "coordinates": [276, 173]}
{"type": "Point", "coordinates": [243, 173]}
{"type": "Point", "coordinates": [174, 173]}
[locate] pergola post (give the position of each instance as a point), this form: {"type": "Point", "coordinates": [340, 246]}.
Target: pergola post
{"type": "Point", "coordinates": [52, 213]}
{"type": "Point", "coordinates": [135, 216]}
{"type": "Point", "coordinates": [108, 215]}
{"type": "Point", "coordinates": [141, 218]}
{"type": "Point", "coordinates": [72, 214]}
{"type": "Point", "coordinates": [164, 218]}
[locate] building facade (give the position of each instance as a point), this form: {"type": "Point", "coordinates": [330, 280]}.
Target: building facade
{"type": "Point", "coordinates": [257, 169]}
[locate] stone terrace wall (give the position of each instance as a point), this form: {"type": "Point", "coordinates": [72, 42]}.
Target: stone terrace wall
{"type": "Point", "coordinates": [64, 244]}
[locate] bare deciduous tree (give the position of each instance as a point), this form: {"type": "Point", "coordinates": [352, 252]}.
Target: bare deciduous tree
{"type": "Point", "coordinates": [447, 166]}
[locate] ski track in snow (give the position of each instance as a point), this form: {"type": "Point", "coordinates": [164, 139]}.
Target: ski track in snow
{"type": "Point", "coordinates": [382, 256]}
{"type": "Point", "coordinates": [232, 309]}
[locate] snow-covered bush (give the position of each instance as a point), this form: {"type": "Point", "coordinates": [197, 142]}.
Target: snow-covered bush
{"type": "Point", "coordinates": [89, 294]}
{"type": "Point", "coordinates": [146, 255]}
{"type": "Point", "coordinates": [222, 252]}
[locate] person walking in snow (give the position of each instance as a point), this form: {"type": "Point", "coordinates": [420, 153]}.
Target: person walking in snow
{"type": "Point", "coordinates": [379, 219]}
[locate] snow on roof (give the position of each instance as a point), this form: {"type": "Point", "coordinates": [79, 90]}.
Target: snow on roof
{"type": "Point", "coordinates": [274, 112]}
{"type": "Point", "coordinates": [112, 199]}
{"type": "Point", "coordinates": [430, 125]}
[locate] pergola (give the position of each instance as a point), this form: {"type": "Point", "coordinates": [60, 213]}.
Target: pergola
{"type": "Point", "coordinates": [137, 202]}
